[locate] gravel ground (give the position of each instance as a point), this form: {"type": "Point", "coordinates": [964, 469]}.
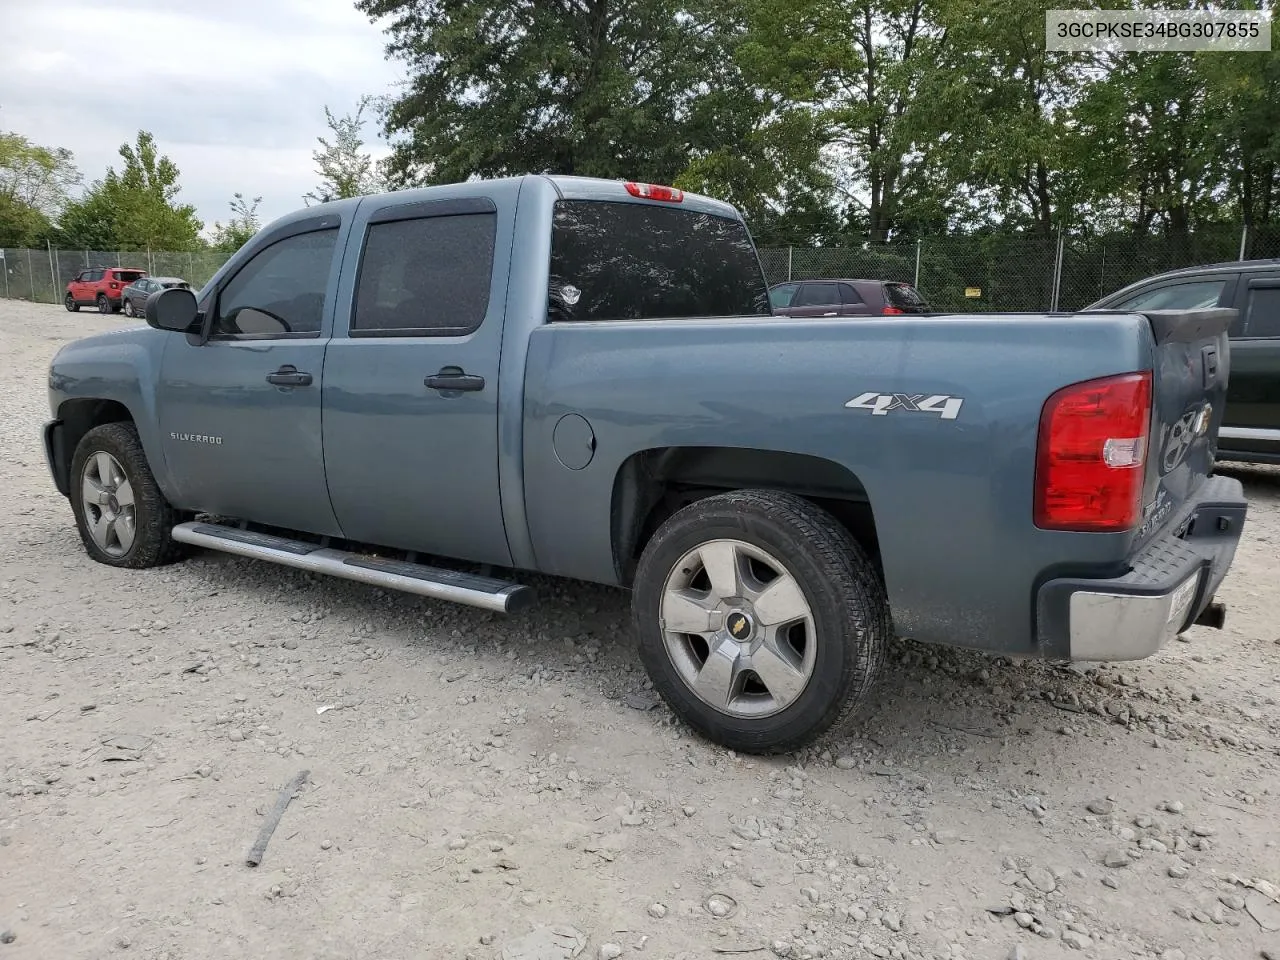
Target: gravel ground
{"type": "Point", "coordinates": [481, 785]}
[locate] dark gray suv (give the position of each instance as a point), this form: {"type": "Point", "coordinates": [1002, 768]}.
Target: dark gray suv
{"type": "Point", "coordinates": [1251, 422]}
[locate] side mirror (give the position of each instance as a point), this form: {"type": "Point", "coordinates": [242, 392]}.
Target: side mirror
{"type": "Point", "coordinates": [172, 309]}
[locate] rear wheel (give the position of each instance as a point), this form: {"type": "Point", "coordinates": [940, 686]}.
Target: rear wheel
{"type": "Point", "coordinates": [761, 621]}
{"type": "Point", "coordinates": [123, 518]}
{"type": "Point", "coordinates": [70, 303]}
{"type": "Point", "coordinates": [104, 305]}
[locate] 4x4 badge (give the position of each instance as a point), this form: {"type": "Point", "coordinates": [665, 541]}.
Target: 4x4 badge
{"type": "Point", "coordinates": [880, 404]}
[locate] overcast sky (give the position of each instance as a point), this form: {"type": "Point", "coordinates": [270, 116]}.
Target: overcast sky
{"type": "Point", "coordinates": [233, 90]}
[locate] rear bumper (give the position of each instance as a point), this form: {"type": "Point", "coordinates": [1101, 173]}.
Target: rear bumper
{"type": "Point", "coordinates": [1170, 583]}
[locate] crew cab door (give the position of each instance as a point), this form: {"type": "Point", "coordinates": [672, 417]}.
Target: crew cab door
{"type": "Point", "coordinates": [411, 377]}
{"type": "Point", "coordinates": [1252, 419]}
{"type": "Point", "coordinates": [240, 414]}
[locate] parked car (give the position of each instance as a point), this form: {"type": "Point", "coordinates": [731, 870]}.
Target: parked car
{"type": "Point", "coordinates": [1250, 429]}
{"type": "Point", "coordinates": [845, 298]}
{"type": "Point", "coordinates": [101, 287]}
{"type": "Point", "coordinates": [134, 297]}
{"type": "Point", "coordinates": [582, 377]}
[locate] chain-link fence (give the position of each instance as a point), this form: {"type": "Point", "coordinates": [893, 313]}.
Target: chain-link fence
{"type": "Point", "coordinates": [984, 273]}
{"type": "Point", "coordinates": [43, 275]}
{"type": "Point", "coordinates": [1011, 272]}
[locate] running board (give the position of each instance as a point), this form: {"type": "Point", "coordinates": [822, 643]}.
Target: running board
{"type": "Point", "coordinates": [487, 593]}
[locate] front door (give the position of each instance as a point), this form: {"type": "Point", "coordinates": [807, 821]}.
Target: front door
{"type": "Point", "coordinates": [1252, 420]}
{"type": "Point", "coordinates": [240, 414]}
{"type": "Point", "coordinates": [411, 386]}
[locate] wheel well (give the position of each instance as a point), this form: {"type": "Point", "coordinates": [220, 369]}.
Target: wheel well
{"type": "Point", "coordinates": [654, 484]}
{"type": "Point", "coordinates": [78, 418]}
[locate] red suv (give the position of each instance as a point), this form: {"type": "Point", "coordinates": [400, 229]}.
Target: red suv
{"type": "Point", "coordinates": [100, 287]}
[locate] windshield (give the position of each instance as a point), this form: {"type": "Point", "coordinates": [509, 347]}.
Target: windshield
{"type": "Point", "coordinates": [633, 261]}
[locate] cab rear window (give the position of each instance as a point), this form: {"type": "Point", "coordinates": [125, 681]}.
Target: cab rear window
{"type": "Point", "coordinates": [634, 261]}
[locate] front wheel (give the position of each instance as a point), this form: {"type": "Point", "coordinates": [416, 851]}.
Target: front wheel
{"type": "Point", "coordinates": [123, 518]}
{"type": "Point", "coordinates": [761, 621]}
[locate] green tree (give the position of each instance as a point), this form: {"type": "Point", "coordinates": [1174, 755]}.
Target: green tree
{"type": "Point", "coordinates": [344, 168]}
{"type": "Point", "coordinates": [34, 184]}
{"type": "Point", "coordinates": [242, 226]}
{"type": "Point", "coordinates": [855, 66]}
{"type": "Point", "coordinates": [134, 209]}
{"type": "Point", "coordinates": [605, 88]}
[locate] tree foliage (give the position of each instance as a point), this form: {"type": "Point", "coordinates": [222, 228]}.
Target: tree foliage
{"type": "Point", "coordinates": [34, 184]}
{"type": "Point", "coordinates": [240, 229]}
{"type": "Point", "coordinates": [344, 168]}
{"type": "Point", "coordinates": [837, 120]}
{"type": "Point", "coordinates": [134, 209]}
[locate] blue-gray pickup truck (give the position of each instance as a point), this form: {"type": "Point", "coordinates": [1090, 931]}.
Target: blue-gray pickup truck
{"type": "Point", "coordinates": [439, 389]}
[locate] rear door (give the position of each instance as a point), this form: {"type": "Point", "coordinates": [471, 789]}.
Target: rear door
{"type": "Point", "coordinates": [1253, 398]}
{"type": "Point", "coordinates": [851, 302]}
{"type": "Point", "coordinates": [816, 298]}
{"type": "Point", "coordinates": [411, 379]}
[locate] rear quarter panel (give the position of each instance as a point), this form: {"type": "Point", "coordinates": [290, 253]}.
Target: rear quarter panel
{"type": "Point", "coordinates": [952, 499]}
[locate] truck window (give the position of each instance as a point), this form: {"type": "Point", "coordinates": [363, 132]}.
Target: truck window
{"type": "Point", "coordinates": [634, 261]}
{"type": "Point", "coordinates": [817, 295]}
{"type": "Point", "coordinates": [280, 290]}
{"type": "Point", "coordinates": [425, 277]}
{"type": "Point", "coordinates": [1176, 296]}
{"type": "Point", "coordinates": [1262, 316]}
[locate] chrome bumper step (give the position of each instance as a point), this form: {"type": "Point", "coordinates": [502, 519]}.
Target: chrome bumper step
{"type": "Point", "coordinates": [501, 596]}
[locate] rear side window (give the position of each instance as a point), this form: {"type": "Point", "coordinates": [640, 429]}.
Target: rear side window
{"type": "Point", "coordinates": [280, 291]}
{"type": "Point", "coordinates": [425, 277]}
{"type": "Point", "coordinates": [1196, 294]}
{"type": "Point", "coordinates": [634, 261]}
{"type": "Point", "coordinates": [903, 295]}
{"type": "Point", "coordinates": [818, 295]}
{"type": "Point", "coordinates": [128, 276]}
{"type": "Point", "coordinates": [848, 295]}
{"type": "Point", "coordinates": [1262, 315]}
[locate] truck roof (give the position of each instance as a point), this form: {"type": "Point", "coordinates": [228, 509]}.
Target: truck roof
{"type": "Point", "coordinates": [567, 187]}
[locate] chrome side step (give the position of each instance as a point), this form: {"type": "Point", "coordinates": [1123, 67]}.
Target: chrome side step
{"type": "Point", "coordinates": [487, 593]}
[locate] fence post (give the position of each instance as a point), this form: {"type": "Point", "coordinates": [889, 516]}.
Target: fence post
{"type": "Point", "coordinates": [53, 270]}
{"type": "Point", "coordinates": [86, 260]}
{"type": "Point", "coordinates": [789, 252]}
{"type": "Point", "coordinates": [917, 282]}
{"type": "Point", "coordinates": [1057, 275]}
{"type": "Point", "coordinates": [31, 277]}
{"type": "Point", "coordinates": [5, 264]}
{"type": "Point", "coordinates": [1244, 239]}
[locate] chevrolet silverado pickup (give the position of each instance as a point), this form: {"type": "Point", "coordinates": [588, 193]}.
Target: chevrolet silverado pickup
{"type": "Point", "coordinates": [442, 389]}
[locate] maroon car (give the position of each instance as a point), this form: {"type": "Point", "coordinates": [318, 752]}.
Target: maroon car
{"type": "Point", "coordinates": [845, 298]}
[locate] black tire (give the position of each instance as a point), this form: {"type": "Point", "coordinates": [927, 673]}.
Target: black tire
{"type": "Point", "coordinates": [154, 518]}
{"type": "Point", "coordinates": [70, 303]}
{"type": "Point", "coordinates": [104, 305]}
{"type": "Point", "coordinates": [128, 307]}
{"type": "Point", "coordinates": [840, 584]}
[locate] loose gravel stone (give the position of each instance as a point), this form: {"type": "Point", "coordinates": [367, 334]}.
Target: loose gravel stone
{"type": "Point", "coordinates": [1042, 879]}
{"type": "Point", "coordinates": [7, 936]}
{"type": "Point", "coordinates": [610, 951]}
{"type": "Point", "coordinates": [657, 910]}
{"type": "Point", "coordinates": [1102, 808]}
{"type": "Point", "coordinates": [1179, 870]}
{"type": "Point", "coordinates": [1116, 857]}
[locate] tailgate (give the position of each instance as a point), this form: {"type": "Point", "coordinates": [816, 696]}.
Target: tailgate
{"type": "Point", "coordinates": [1189, 391]}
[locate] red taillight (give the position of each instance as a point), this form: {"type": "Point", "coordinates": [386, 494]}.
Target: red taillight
{"type": "Point", "coordinates": [1091, 454]}
{"type": "Point", "coordinates": [649, 191]}
{"type": "Point", "coordinates": [891, 311]}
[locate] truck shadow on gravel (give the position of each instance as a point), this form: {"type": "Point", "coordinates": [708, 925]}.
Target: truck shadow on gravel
{"type": "Point", "coordinates": [580, 634]}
